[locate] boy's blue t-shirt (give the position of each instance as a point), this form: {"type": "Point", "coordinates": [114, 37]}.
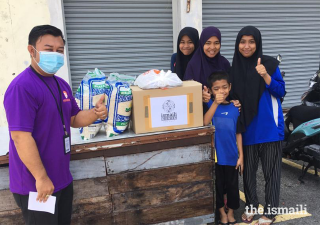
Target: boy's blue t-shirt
{"type": "Point", "coordinates": [225, 122]}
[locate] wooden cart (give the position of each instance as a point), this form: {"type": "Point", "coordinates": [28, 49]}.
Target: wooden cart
{"type": "Point", "coordinates": [136, 179]}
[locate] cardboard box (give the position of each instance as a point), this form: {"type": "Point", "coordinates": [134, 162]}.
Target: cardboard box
{"type": "Point", "coordinates": [168, 109]}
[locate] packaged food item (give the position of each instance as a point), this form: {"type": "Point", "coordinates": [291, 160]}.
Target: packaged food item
{"type": "Point", "coordinates": [119, 103]}
{"type": "Point", "coordinates": [122, 78]}
{"type": "Point", "coordinates": [157, 79]}
{"type": "Point", "coordinates": [91, 89]}
{"type": "Point", "coordinates": [170, 109]}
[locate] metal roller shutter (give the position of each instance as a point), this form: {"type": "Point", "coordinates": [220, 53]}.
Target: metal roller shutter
{"type": "Point", "coordinates": [289, 27]}
{"type": "Point", "coordinates": [123, 36]}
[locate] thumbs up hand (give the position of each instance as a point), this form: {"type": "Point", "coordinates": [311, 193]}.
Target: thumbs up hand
{"type": "Point", "coordinates": [219, 98]}
{"type": "Point", "coordinates": [261, 69]}
{"type": "Point", "coordinates": [205, 94]}
{"type": "Point", "coordinates": [100, 109]}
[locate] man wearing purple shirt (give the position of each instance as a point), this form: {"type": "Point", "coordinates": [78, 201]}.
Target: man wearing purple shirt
{"type": "Point", "coordinates": [40, 109]}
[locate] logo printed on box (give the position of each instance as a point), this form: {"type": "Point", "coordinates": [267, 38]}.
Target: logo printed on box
{"type": "Point", "coordinates": [168, 106]}
{"type": "Point", "coordinates": [169, 111]}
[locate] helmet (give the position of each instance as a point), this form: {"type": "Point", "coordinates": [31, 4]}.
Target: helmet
{"type": "Point", "coordinates": [314, 79]}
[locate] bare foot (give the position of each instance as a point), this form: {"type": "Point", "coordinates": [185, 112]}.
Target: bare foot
{"type": "Point", "coordinates": [224, 219]}
{"type": "Point", "coordinates": [223, 216]}
{"type": "Point", "coordinates": [231, 218]}
{"type": "Point", "coordinates": [247, 217]}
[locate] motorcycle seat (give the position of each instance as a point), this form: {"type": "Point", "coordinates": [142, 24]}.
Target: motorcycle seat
{"type": "Point", "coordinates": [313, 150]}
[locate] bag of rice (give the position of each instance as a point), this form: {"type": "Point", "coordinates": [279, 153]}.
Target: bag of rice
{"type": "Point", "coordinates": [119, 103]}
{"type": "Point", "coordinates": [91, 88]}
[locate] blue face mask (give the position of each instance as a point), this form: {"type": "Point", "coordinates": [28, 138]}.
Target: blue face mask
{"type": "Point", "coordinates": [50, 62]}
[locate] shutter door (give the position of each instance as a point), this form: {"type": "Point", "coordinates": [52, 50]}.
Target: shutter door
{"type": "Point", "coordinates": [124, 36]}
{"type": "Point", "coordinates": [288, 27]}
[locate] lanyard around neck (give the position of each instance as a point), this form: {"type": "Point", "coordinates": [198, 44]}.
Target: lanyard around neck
{"type": "Point", "coordinates": [58, 107]}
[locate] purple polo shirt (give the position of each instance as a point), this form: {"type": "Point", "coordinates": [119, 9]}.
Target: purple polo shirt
{"type": "Point", "coordinates": [31, 107]}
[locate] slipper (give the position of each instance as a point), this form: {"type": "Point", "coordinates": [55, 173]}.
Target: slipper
{"type": "Point", "coordinates": [219, 222]}
{"type": "Point", "coordinates": [248, 215]}
{"type": "Point", "coordinates": [234, 222]}
{"type": "Point", "coordinates": [262, 221]}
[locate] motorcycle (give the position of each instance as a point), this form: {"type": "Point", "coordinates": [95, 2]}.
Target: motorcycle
{"type": "Point", "coordinates": [302, 129]}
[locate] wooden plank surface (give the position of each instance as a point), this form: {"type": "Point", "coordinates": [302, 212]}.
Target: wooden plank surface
{"type": "Point", "coordinates": [4, 160]}
{"type": "Point", "coordinates": [154, 178]}
{"type": "Point", "coordinates": [180, 210]}
{"type": "Point", "coordinates": [144, 139]}
{"type": "Point", "coordinates": [158, 159]}
{"type": "Point", "coordinates": [83, 189]}
{"type": "Point", "coordinates": [80, 169]}
{"type": "Point", "coordinates": [4, 178]}
{"type": "Point", "coordinates": [122, 149]}
{"type": "Point", "coordinates": [11, 217]}
{"type": "Point", "coordinates": [7, 201]}
{"type": "Point", "coordinates": [101, 219]}
{"type": "Point", "coordinates": [96, 210]}
{"type": "Point", "coordinates": [199, 220]}
{"type": "Point", "coordinates": [89, 188]}
{"type": "Point", "coordinates": [88, 168]}
{"type": "Point", "coordinates": [161, 196]}
{"type": "Point", "coordinates": [143, 143]}
{"type": "Point", "coordinates": [137, 144]}
{"type": "Point", "coordinates": [92, 203]}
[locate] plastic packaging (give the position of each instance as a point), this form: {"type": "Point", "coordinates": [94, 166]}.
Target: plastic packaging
{"type": "Point", "coordinates": [119, 103]}
{"type": "Point", "coordinates": [91, 88]}
{"type": "Point", "coordinates": [157, 79]}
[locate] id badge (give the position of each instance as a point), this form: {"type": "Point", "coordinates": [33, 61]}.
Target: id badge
{"type": "Point", "coordinates": [66, 141]}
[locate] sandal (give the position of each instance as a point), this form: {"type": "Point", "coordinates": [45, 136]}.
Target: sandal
{"type": "Point", "coordinates": [248, 215]}
{"type": "Point", "coordinates": [234, 222]}
{"type": "Point", "coordinates": [219, 222]}
{"type": "Point", "coordinates": [262, 221]}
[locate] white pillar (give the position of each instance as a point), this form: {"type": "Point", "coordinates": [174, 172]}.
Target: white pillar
{"type": "Point", "coordinates": [57, 19]}
{"type": "Point", "coordinates": [181, 18]}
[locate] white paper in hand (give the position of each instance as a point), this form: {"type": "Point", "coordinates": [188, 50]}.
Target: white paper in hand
{"type": "Point", "coordinates": [48, 206]}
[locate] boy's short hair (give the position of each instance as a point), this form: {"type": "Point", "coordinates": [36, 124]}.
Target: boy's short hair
{"type": "Point", "coordinates": [218, 75]}
{"type": "Point", "coordinates": [39, 31]}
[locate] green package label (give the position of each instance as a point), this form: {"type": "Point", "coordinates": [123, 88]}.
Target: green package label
{"type": "Point", "coordinates": [121, 124]}
{"type": "Point", "coordinates": [126, 92]}
{"type": "Point", "coordinates": [98, 86]}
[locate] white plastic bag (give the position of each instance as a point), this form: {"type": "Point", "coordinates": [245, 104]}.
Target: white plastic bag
{"type": "Point", "coordinates": [157, 79]}
{"type": "Point", "coordinates": [91, 88]}
{"type": "Point", "coordinates": [119, 103]}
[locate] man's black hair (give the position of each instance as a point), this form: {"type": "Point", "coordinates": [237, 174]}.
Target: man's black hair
{"type": "Point", "coordinates": [219, 75]}
{"type": "Point", "coordinates": [39, 31]}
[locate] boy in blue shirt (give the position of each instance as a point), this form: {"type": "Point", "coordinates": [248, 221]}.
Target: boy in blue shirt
{"type": "Point", "coordinates": [228, 143]}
